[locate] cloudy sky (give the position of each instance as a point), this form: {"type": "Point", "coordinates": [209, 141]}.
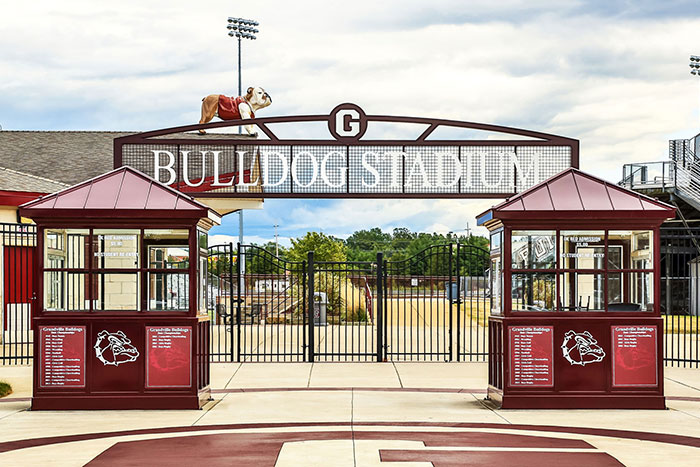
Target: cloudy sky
{"type": "Point", "coordinates": [612, 74]}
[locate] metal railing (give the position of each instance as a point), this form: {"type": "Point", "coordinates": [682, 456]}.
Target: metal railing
{"type": "Point", "coordinates": [649, 175]}
{"type": "Point", "coordinates": [680, 174]}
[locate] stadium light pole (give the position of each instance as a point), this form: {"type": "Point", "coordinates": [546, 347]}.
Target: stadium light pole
{"type": "Point", "coordinates": [241, 28]}
{"type": "Point", "coordinates": [695, 67]}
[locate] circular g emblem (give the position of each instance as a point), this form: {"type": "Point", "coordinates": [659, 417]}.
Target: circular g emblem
{"type": "Point", "coordinates": [347, 122]}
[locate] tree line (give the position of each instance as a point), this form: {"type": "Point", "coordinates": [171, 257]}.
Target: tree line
{"type": "Point", "coordinates": [409, 252]}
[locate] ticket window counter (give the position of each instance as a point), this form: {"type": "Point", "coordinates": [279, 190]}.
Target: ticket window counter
{"type": "Point", "coordinates": [575, 319]}
{"type": "Point", "coordinates": [122, 320]}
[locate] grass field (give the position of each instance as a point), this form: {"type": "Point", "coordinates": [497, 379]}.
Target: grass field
{"type": "Point", "coordinates": [677, 324]}
{"type": "Point", "coordinates": [435, 312]}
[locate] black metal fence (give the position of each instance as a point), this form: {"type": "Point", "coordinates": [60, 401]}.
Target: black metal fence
{"type": "Point", "coordinates": [680, 294]}
{"type": "Point", "coordinates": [433, 306]}
{"type": "Point", "coordinates": [17, 250]}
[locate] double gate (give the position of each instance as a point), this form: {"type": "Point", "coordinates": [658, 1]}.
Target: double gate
{"type": "Point", "coordinates": [432, 306]}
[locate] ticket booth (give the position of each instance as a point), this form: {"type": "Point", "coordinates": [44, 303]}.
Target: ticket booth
{"type": "Point", "coordinates": [121, 319]}
{"type": "Point", "coordinates": [575, 319]}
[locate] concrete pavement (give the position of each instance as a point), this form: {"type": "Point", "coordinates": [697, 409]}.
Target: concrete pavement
{"type": "Point", "coordinates": [352, 414]}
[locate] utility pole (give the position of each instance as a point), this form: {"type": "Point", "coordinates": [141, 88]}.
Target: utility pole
{"type": "Point", "coordinates": [277, 253]}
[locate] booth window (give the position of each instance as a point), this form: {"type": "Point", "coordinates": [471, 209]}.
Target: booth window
{"type": "Point", "coordinates": [105, 270]}
{"type": "Point", "coordinates": [115, 269]}
{"type": "Point", "coordinates": [582, 266]}
{"type": "Point", "coordinates": [533, 261]}
{"type": "Point", "coordinates": [591, 270]}
{"type": "Point", "coordinates": [496, 271]}
{"type": "Point", "coordinates": [168, 269]}
{"type": "Point", "coordinates": [203, 272]}
{"type": "Point", "coordinates": [631, 277]}
{"type": "Point", "coordinates": [66, 270]}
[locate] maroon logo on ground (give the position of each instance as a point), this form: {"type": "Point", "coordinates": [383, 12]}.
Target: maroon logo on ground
{"type": "Point", "coordinates": [581, 348]}
{"type": "Point", "coordinates": [114, 348]}
{"type": "Point", "coordinates": [347, 122]}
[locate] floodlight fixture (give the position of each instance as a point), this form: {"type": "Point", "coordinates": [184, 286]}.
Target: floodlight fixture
{"type": "Point", "coordinates": [694, 65]}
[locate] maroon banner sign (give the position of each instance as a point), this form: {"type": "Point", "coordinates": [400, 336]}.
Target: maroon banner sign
{"type": "Point", "coordinates": [62, 356]}
{"type": "Point", "coordinates": [531, 354]}
{"type": "Point", "coordinates": [169, 356]}
{"type": "Point", "coordinates": [634, 356]}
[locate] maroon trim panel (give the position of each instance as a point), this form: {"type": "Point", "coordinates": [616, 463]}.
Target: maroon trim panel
{"type": "Point", "coordinates": [16, 198]}
{"type": "Point", "coordinates": [665, 438]}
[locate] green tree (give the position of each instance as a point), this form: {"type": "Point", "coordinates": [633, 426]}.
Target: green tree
{"type": "Point", "coordinates": [325, 248]}
{"type": "Point", "coordinates": [364, 245]}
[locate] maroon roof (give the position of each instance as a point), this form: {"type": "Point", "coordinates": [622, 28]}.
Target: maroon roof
{"type": "Point", "coordinates": [120, 193]}
{"type": "Point", "coordinates": [573, 193]}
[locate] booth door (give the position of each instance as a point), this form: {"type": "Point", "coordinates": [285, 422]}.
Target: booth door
{"type": "Point", "coordinates": [18, 287]}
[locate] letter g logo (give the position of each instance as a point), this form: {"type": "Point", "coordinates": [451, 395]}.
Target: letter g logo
{"type": "Point", "coordinates": [347, 122]}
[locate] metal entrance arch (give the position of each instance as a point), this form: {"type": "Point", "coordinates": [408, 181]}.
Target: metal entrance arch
{"type": "Point", "coordinates": [432, 306]}
{"type": "Point", "coordinates": [439, 158]}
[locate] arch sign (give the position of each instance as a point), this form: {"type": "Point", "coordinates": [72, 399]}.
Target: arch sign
{"type": "Point", "coordinates": [469, 160]}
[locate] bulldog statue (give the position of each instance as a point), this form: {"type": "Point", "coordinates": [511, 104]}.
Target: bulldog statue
{"type": "Point", "coordinates": [235, 108]}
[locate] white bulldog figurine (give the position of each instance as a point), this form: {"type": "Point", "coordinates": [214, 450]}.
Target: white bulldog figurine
{"type": "Point", "coordinates": [235, 108]}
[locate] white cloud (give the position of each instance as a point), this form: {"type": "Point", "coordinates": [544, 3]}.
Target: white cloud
{"type": "Point", "coordinates": [613, 76]}
{"type": "Point", "coordinates": [222, 239]}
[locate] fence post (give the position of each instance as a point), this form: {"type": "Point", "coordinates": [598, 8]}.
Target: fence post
{"type": "Point", "coordinates": [380, 307]}
{"type": "Point", "coordinates": [459, 297]}
{"type": "Point", "coordinates": [239, 281]}
{"type": "Point", "coordinates": [310, 311]}
{"type": "Point", "coordinates": [449, 303]}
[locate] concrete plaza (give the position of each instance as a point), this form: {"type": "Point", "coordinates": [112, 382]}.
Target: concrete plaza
{"type": "Point", "coordinates": [352, 414]}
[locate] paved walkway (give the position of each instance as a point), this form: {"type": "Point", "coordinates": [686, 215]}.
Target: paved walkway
{"type": "Point", "coordinates": [355, 414]}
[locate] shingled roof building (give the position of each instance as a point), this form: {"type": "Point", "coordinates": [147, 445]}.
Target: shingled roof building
{"type": "Point", "coordinates": [35, 163]}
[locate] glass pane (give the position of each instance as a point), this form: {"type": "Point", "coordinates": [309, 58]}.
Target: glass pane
{"type": "Point", "coordinates": [116, 248]}
{"type": "Point", "coordinates": [533, 291]}
{"type": "Point", "coordinates": [582, 249]}
{"type": "Point", "coordinates": [203, 240]}
{"type": "Point", "coordinates": [65, 291]}
{"type": "Point", "coordinates": [168, 291]}
{"type": "Point", "coordinates": [168, 257]}
{"type": "Point", "coordinates": [167, 249]}
{"type": "Point", "coordinates": [174, 236]}
{"type": "Point", "coordinates": [203, 262]}
{"type": "Point", "coordinates": [65, 248]}
{"type": "Point", "coordinates": [495, 243]}
{"type": "Point", "coordinates": [533, 249]}
{"type": "Point", "coordinates": [116, 292]}
{"type": "Point", "coordinates": [581, 292]}
{"type": "Point", "coordinates": [634, 247]}
{"type": "Point", "coordinates": [496, 278]}
{"type": "Point", "coordinates": [631, 291]}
